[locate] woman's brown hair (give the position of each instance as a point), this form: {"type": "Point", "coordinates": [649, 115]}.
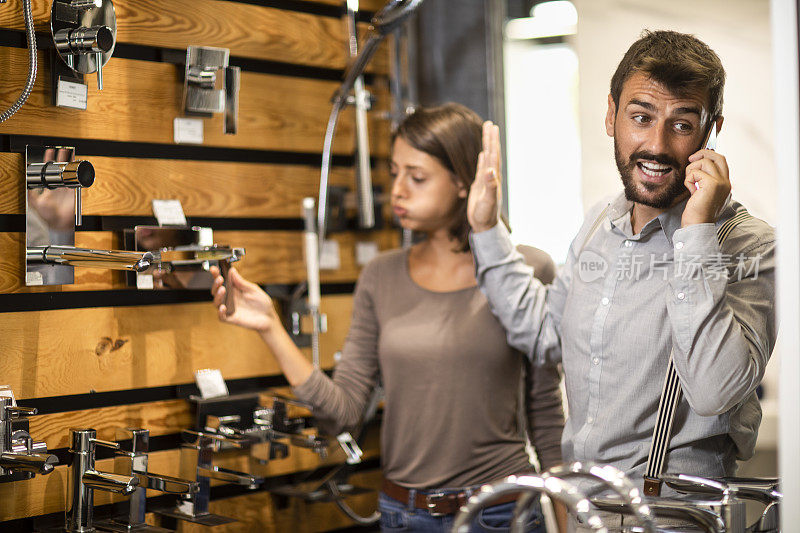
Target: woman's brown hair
{"type": "Point", "coordinates": [452, 133]}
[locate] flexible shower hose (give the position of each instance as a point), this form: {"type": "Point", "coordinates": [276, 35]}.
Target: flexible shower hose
{"type": "Point", "coordinates": [26, 92]}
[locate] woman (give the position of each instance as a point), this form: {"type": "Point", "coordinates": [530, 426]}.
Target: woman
{"type": "Point", "coordinates": [423, 328]}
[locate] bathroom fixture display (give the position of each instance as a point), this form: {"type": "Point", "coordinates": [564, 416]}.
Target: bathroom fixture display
{"type": "Point", "coordinates": [211, 86]}
{"type": "Point", "coordinates": [54, 179]}
{"type": "Point", "coordinates": [30, 34]}
{"type": "Point", "coordinates": [84, 480]}
{"type": "Point", "coordinates": [20, 456]}
{"type": "Point", "coordinates": [197, 454]}
{"type": "Point", "coordinates": [555, 488]}
{"type": "Point", "coordinates": [382, 24]}
{"type": "Point", "coordinates": [181, 257]}
{"type": "Point", "coordinates": [84, 33]}
{"type": "Point", "coordinates": [133, 462]}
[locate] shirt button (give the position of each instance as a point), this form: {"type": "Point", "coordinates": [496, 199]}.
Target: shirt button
{"type": "Point", "coordinates": [596, 360]}
{"type": "Point", "coordinates": [590, 420]}
{"type": "Point", "coordinates": [604, 301]}
{"type": "Point", "coordinates": [681, 296]}
{"type": "Point", "coordinates": [678, 245]}
{"type": "Point", "coordinates": [628, 244]}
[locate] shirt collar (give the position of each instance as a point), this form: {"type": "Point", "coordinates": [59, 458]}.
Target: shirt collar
{"type": "Point", "coordinates": [619, 213]}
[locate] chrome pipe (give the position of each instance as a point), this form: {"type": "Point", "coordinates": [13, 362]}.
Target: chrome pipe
{"type": "Point", "coordinates": [166, 484]}
{"type": "Point", "coordinates": [554, 487]}
{"type": "Point", "coordinates": [312, 274]}
{"type": "Point", "coordinates": [225, 474]}
{"type": "Point", "coordinates": [53, 174]}
{"type": "Point", "coordinates": [25, 462]}
{"type": "Point", "coordinates": [85, 257]}
{"type": "Point", "coordinates": [94, 40]}
{"type": "Point", "coordinates": [366, 202]}
{"type": "Point", "coordinates": [109, 482]}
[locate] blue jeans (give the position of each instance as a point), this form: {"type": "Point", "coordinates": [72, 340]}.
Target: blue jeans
{"type": "Point", "coordinates": [400, 516]}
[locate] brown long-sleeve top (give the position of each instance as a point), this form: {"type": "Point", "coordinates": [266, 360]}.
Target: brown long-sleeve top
{"type": "Point", "coordinates": [450, 379]}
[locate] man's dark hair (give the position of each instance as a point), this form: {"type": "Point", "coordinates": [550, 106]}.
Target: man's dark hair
{"type": "Point", "coordinates": [680, 62]}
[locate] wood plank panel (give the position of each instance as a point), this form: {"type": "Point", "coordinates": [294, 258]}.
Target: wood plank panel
{"type": "Point", "coordinates": [126, 186]}
{"type": "Point", "coordinates": [62, 352]}
{"type": "Point", "coordinates": [141, 99]}
{"type": "Point", "coordinates": [272, 257]}
{"type": "Point", "coordinates": [247, 30]}
{"type": "Point", "coordinates": [47, 494]}
{"type": "Point", "coordinates": [170, 416]}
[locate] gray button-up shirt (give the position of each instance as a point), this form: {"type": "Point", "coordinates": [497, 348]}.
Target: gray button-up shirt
{"type": "Point", "coordinates": [618, 307]}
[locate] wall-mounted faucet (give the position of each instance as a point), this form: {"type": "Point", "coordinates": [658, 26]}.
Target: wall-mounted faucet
{"type": "Point", "coordinates": [52, 212]}
{"type": "Point", "coordinates": [205, 92]}
{"type": "Point", "coordinates": [133, 462]}
{"type": "Point", "coordinates": [197, 454]}
{"type": "Point", "coordinates": [84, 480]}
{"type": "Point", "coordinates": [84, 33]}
{"type": "Point", "coordinates": [20, 456]}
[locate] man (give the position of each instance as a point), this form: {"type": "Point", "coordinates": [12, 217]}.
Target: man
{"type": "Point", "coordinates": [646, 276]}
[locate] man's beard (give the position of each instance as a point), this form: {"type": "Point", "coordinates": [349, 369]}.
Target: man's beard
{"type": "Point", "coordinates": [663, 200]}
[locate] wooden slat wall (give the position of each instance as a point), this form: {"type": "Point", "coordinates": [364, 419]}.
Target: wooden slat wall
{"type": "Point", "coordinates": [51, 354]}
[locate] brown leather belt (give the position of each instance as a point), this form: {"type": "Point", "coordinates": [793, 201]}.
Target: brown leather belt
{"type": "Point", "coordinates": [436, 503]}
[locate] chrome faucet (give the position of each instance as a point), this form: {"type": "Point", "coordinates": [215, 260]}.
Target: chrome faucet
{"type": "Point", "coordinates": [134, 463]}
{"type": "Point", "coordinates": [197, 453]}
{"type": "Point", "coordinates": [612, 478]}
{"type": "Point", "coordinates": [20, 455]}
{"type": "Point", "coordinates": [84, 480]}
{"type": "Point", "coordinates": [554, 487]}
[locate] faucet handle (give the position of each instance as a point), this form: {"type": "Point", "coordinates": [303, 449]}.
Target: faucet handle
{"type": "Point", "coordinates": [17, 411]}
{"type": "Point", "coordinates": [106, 444]}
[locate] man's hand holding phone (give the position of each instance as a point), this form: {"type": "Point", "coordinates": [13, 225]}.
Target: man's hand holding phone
{"type": "Point", "coordinates": [708, 181]}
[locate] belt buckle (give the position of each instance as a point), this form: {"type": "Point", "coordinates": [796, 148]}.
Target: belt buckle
{"type": "Point", "coordinates": [431, 505]}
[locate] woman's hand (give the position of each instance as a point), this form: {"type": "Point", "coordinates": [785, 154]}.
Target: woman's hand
{"type": "Point", "coordinates": [253, 307]}
{"type": "Point", "coordinates": [484, 194]}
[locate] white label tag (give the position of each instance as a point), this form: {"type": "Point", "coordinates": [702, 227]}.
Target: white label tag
{"type": "Point", "coordinates": [210, 383]}
{"type": "Point", "coordinates": [329, 258]}
{"type": "Point", "coordinates": [144, 281]}
{"type": "Point", "coordinates": [365, 252]}
{"type": "Point", "coordinates": [188, 131]}
{"type": "Point", "coordinates": [169, 212]}
{"type": "Point", "coordinates": [33, 279]}
{"type": "Point", "coordinates": [70, 94]}
{"type": "Point", "coordinates": [6, 392]}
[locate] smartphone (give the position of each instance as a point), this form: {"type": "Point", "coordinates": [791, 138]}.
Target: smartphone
{"type": "Point", "coordinates": [710, 142]}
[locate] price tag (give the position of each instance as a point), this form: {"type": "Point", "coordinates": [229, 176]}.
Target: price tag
{"type": "Point", "coordinates": [144, 281]}
{"type": "Point", "coordinates": [33, 279]}
{"type": "Point", "coordinates": [70, 94]}
{"type": "Point", "coordinates": [6, 392]}
{"type": "Point", "coordinates": [365, 252]}
{"type": "Point", "coordinates": [169, 212]}
{"type": "Point", "coordinates": [210, 383]}
{"type": "Point", "coordinates": [329, 258]}
{"type": "Point", "coordinates": [188, 131]}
